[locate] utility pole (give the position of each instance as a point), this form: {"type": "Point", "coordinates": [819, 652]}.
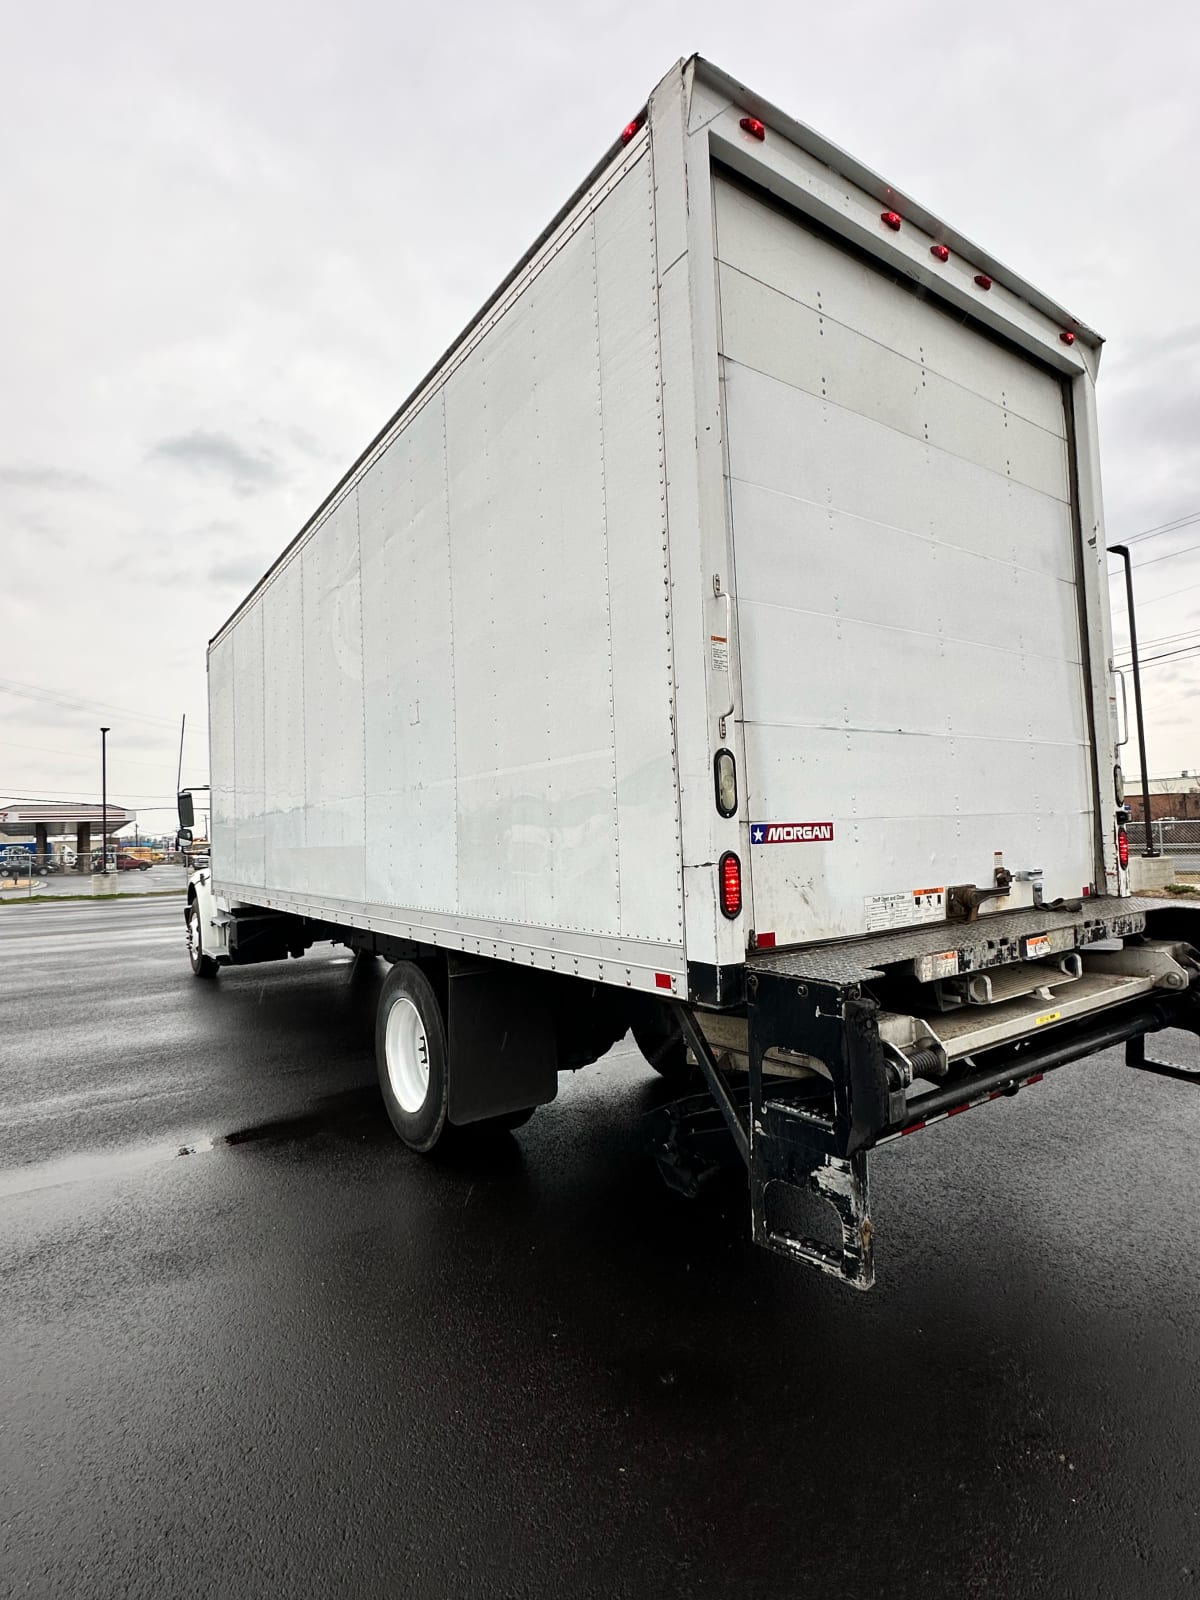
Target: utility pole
{"type": "Point", "coordinates": [104, 733]}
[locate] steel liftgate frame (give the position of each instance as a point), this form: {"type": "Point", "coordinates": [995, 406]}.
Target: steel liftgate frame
{"type": "Point", "coordinates": [813, 1136]}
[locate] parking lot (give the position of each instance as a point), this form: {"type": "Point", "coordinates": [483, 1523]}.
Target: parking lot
{"type": "Point", "coordinates": [251, 1345]}
{"type": "Point", "coordinates": [158, 879]}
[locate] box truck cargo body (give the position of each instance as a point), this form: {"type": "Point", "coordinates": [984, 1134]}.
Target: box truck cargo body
{"type": "Point", "coordinates": [715, 643]}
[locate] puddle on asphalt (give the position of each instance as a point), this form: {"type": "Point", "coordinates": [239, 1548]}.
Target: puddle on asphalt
{"type": "Point", "coordinates": [336, 1114]}
{"type": "Point", "coordinates": [89, 1168]}
{"type": "Point", "coordinates": [329, 1115]}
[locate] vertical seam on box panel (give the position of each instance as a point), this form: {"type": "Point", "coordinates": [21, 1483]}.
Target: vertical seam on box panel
{"type": "Point", "coordinates": [612, 705]}
{"type": "Point", "coordinates": [262, 703]}
{"type": "Point", "coordinates": [453, 663]}
{"type": "Point", "coordinates": [362, 674]}
{"type": "Point", "coordinates": [303, 718]}
{"type": "Point", "coordinates": [544, 613]}
{"type": "Point", "coordinates": [233, 819]}
{"type": "Point", "coordinates": [665, 527]}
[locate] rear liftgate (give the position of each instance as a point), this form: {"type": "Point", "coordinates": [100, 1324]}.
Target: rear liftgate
{"type": "Point", "coordinates": [830, 1071]}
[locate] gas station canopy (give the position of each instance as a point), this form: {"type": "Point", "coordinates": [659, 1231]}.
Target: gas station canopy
{"type": "Point", "coordinates": [19, 821]}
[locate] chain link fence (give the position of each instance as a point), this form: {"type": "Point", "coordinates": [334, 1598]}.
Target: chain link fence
{"type": "Point", "coordinates": [1169, 836]}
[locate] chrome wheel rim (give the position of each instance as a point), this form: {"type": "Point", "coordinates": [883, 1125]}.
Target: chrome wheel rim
{"type": "Point", "coordinates": [406, 1050]}
{"type": "Point", "coordinates": [193, 935]}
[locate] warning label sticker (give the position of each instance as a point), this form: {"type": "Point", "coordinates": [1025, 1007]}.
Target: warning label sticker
{"type": "Point", "coordinates": [907, 909]}
{"type": "Point", "coordinates": [719, 649]}
{"type": "Point", "coordinates": [791, 832]}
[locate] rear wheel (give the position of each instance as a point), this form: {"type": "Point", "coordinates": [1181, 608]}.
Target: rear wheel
{"type": "Point", "coordinates": [411, 1059]}
{"type": "Point", "coordinates": [659, 1039]}
{"type": "Point", "coordinates": [410, 1055]}
{"type": "Point", "coordinates": [202, 966]}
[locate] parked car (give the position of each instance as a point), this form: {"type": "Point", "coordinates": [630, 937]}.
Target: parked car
{"type": "Point", "coordinates": [127, 863]}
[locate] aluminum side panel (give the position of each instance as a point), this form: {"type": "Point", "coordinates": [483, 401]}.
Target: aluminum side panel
{"type": "Point", "coordinates": [537, 786]}
{"type": "Point", "coordinates": [222, 720]}
{"type": "Point", "coordinates": [283, 710]}
{"type": "Point", "coordinates": [639, 573]}
{"type": "Point", "coordinates": [249, 752]}
{"type": "Point", "coordinates": [335, 846]}
{"type": "Point", "coordinates": [408, 662]}
{"type": "Point", "coordinates": [468, 713]}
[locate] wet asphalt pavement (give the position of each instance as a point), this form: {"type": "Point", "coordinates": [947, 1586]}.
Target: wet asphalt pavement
{"type": "Point", "coordinates": [301, 1361]}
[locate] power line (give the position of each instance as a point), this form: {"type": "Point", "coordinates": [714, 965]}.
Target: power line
{"type": "Point", "coordinates": [1170, 556]}
{"type": "Point", "coordinates": [1163, 527]}
{"type": "Point", "coordinates": [75, 702]}
{"type": "Point", "coordinates": [1172, 655]}
{"type": "Point", "coordinates": [53, 750]}
{"type": "Point", "coordinates": [1164, 638]}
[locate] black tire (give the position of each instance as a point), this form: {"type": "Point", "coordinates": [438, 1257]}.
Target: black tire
{"type": "Point", "coordinates": [202, 966]}
{"type": "Point", "coordinates": [422, 1120]}
{"type": "Point", "coordinates": [666, 1051]}
{"type": "Point", "coordinates": [411, 1046]}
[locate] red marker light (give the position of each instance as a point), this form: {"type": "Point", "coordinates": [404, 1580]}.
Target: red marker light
{"type": "Point", "coordinates": [630, 128]}
{"type": "Point", "coordinates": [729, 870]}
{"type": "Point", "coordinates": [891, 219]}
{"type": "Point", "coordinates": [1122, 847]}
{"type": "Point", "coordinates": [753, 127]}
{"type": "Point", "coordinates": [1067, 336]}
{"type": "Point", "coordinates": [982, 279]}
{"type": "Point", "coordinates": [940, 251]}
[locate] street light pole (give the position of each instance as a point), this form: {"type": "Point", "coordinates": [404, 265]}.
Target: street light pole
{"type": "Point", "coordinates": [104, 732]}
{"type": "Point", "coordinates": [1122, 551]}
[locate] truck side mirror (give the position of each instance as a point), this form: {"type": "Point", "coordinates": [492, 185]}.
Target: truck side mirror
{"type": "Point", "coordinates": [184, 836]}
{"type": "Point", "coordinates": [187, 812]}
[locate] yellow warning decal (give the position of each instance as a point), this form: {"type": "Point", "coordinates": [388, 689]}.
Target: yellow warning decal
{"type": "Point", "coordinates": [1051, 1016]}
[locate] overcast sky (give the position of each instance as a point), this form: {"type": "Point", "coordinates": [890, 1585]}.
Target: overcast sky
{"type": "Point", "coordinates": [236, 235]}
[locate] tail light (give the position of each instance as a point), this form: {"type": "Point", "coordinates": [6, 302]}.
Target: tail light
{"type": "Point", "coordinates": [1122, 847]}
{"type": "Point", "coordinates": [729, 870]}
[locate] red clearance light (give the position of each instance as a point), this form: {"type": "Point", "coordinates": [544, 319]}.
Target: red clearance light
{"type": "Point", "coordinates": [1122, 847]}
{"type": "Point", "coordinates": [940, 251]}
{"type": "Point", "coordinates": [753, 127]}
{"type": "Point", "coordinates": [630, 129]}
{"type": "Point", "coordinates": [729, 870]}
{"type": "Point", "coordinates": [982, 279]}
{"type": "Point", "coordinates": [1067, 336]}
{"type": "Point", "coordinates": [891, 219]}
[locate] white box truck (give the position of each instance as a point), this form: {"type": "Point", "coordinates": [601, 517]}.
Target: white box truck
{"type": "Point", "coordinates": [714, 644]}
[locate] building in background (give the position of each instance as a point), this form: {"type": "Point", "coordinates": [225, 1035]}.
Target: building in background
{"type": "Point", "coordinates": [61, 828]}
{"type": "Point", "coordinates": [1169, 797]}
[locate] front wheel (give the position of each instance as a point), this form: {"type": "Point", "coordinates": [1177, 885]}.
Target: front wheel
{"type": "Point", "coordinates": [202, 966]}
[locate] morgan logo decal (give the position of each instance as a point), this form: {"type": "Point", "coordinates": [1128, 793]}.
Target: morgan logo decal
{"type": "Point", "coordinates": [790, 832]}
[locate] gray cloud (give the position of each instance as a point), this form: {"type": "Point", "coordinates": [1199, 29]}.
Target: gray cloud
{"type": "Point", "coordinates": [55, 480]}
{"type": "Point", "coordinates": [239, 572]}
{"type": "Point", "coordinates": [220, 456]}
